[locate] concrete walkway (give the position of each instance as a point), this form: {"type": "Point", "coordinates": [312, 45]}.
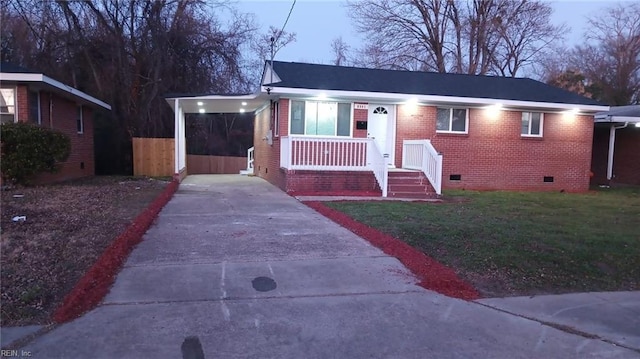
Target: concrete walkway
{"type": "Point", "coordinates": [234, 268]}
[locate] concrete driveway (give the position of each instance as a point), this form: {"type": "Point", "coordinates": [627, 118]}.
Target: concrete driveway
{"type": "Point", "coordinates": [246, 271]}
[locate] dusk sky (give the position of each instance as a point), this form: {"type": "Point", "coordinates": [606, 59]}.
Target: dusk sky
{"type": "Point", "coordinates": [316, 23]}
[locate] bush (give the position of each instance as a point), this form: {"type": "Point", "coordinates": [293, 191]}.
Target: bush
{"type": "Point", "coordinates": [28, 150]}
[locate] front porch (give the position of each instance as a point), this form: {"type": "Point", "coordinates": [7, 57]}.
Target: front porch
{"type": "Point", "coordinates": [356, 166]}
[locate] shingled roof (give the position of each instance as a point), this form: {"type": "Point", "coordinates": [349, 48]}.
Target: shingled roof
{"type": "Point", "coordinates": [340, 78]}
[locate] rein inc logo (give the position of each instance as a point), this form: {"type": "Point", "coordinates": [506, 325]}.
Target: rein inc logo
{"type": "Point", "coordinates": [5, 353]}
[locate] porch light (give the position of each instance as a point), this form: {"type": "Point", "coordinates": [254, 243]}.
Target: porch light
{"type": "Point", "coordinates": [637, 124]}
{"type": "Point", "coordinates": [201, 110]}
{"type": "Point", "coordinates": [411, 106]}
{"type": "Point", "coordinates": [200, 103]}
{"type": "Point", "coordinates": [570, 115]}
{"type": "Point", "coordinates": [244, 103]}
{"type": "Point", "coordinates": [494, 110]}
{"type": "Point", "coordinates": [242, 110]}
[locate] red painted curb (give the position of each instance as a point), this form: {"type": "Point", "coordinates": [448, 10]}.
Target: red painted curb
{"type": "Point", "coordinates": [433, 275]}
{"type": "Point", "coordinates": [95, 283]}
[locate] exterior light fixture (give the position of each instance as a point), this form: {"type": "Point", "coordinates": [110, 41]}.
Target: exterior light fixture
{"type": "Point", "coordinates": [201, 110]}
{"type": "Point", "coordinates": [200, 103]}
{"type": "Point", "coordinates": [244, 103]}
{"type": "Point", "coordinates": [494, 110]}
{"type": "Point", "coordinates": [637, 124]}
{"type": "Point", "coordinates": [242, 110]}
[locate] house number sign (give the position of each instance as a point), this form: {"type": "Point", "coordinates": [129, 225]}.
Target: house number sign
{"type": "Point", "coordinates": [361, 106]}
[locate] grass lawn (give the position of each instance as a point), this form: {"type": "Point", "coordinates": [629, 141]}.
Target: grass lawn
{"type": "Point", "coordinates": [508, 243]}
{"type": "Point", "coordinates": [67, 228]}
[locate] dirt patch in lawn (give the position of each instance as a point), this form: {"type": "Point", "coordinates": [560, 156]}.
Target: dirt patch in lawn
{"type": "Point", "coordinates": [67, 227]}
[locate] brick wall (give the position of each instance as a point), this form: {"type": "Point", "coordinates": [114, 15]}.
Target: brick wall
{"type": "Point", "coordinates": [359, 115]}
{"type": "Point", "coordinates": [267, 157]}
{"type": "Point", "coordinates": [332, 183]}
{"type": "Point", "coordinates": [60, 114]}
{"type": "Point", "coordinates": [22, 103]}
{"type": "Point", "coordinates": [626, 162]}
{"type": "Point", "coordinates": [493, 155]}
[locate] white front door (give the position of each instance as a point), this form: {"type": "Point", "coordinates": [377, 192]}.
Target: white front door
{"type": "Point", "coordinates": [380, 127]}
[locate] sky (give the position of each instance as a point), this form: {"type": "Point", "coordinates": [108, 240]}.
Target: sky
{"type": "Point", "coordinates": [317, 22]}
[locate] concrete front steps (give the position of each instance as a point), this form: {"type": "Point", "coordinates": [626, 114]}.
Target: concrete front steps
{"type": "Point", "coordinates": [409, 184]}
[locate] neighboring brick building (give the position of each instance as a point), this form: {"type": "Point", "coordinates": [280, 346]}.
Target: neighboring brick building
{"type": "Point", "coordinates": [27, 96]}
{"type": "Point", "coordinates": [616, 146]}
{"type": "Point", "coordinates": [335, 130]}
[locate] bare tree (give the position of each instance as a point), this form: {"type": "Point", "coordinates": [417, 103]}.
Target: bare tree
{"type": "Point", "coordinates": [526, 35]}
{"type": "Point", "coordinates": [340, 51]}
{"type": "Point", "coordinates": [267, 46]}
{"type": "Point", "coordinates": [408, 34]}
{"type": "Point", "coordinates": [610, 57]}
{"type": "Point", "coordinates": [130, 54]}
{"type": "Point", "coordinates": [474, 37]}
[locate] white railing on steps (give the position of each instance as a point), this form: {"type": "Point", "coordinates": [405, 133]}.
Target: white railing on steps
{"type": "Point", "coordinates": [421, 155]}
{"type": "Point", "coordinates": [250, 160]}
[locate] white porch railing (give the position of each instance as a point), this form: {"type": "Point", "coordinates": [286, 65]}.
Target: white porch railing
{"type": "Point", "coordinates": [250, 160]}
{"type": "Point", "coordinates": [421, 155]}
{"type": "Point", "coordinates": [333, 154]}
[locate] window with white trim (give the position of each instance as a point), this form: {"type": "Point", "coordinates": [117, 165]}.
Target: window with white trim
{"type": "Point", "coordinates": [320, 118]}
{"type": "Point", "coordinates": [79, 120]}
{"type": "Point", "coordinates": [34, 107]}
{"type": "Point", "coordinates": [531, 124]}
{"type": "Point", "coordinates": [453, 120]}
{"type": "Point", "coordinates": [7, 105]}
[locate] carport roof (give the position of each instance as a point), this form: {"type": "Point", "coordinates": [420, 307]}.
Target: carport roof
{"type": "Point", "coordinates": [219, 103]}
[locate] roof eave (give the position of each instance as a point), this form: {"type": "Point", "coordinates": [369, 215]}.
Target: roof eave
{"type": "Point", "coordinates": [398, 97]}
{"type": "Point", "coordinates": [35, 77]}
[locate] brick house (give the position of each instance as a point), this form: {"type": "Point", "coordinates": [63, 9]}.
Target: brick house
{"type": "Point", "coordinates": [616, 146]}
{"type": "Point", "coordinates": [332, 130]}
{"type": "Point", "coordinates": [28, 96]}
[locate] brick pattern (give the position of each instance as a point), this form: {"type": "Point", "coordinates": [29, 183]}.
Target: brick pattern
{"type": "Point", "coordinates": [494, 156]}
{"type": "Point", "coordinates": [60, 114]}
{"type": "Point", "coordinates": [626, 161]}
{"type": "Point", "coordinates": [22, 103]}
{"type": "Point", "coordinates": [491, 156]}
{"type": "Point", "coordinates": [409, 184]}
{"type": "Point", "coordinates": [347, 183]}
{"type": "Point", "coordinates": [359, 115]}
{"type": "Point", "coordinates": [266, 162]}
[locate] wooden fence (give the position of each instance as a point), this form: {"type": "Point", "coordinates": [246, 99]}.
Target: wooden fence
{"type": "Point", "coordinates": [197, 164]}
{"type": "Point", "coordinates": [153, 156]}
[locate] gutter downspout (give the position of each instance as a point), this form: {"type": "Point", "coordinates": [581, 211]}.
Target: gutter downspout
{"type": "Point", "coordinates": [612, 144]}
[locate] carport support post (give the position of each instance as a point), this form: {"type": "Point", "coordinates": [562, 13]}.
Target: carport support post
{"type": "Point", "coordinates": [179, 156]}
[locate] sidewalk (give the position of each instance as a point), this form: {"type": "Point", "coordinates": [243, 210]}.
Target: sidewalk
{"type": "Point", "coordinates": [611, 316]}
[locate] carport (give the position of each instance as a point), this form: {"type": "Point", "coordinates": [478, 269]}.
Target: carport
{"type": "Point", "coordinates": [202, 104]}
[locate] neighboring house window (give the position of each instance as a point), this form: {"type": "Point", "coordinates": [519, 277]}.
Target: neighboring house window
{"type": "Point", "coordinates": [80, 120]}
{"type": "Point", "coordinates": [451, 120]}
{"type": "Point", "coordinates": [7, 105]}
{"type": "Point", "coordinates": [320, 118]}
{"type": "Point", "coordinates": [531, 124]}
{"type": "Point", "coordinates": [276, 118]}
{"type": "Point", "coordinates": [34, 107]}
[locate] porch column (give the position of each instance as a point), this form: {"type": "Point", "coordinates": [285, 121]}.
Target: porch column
{"type": "Point", "coordinates": [180, 157]}
{"type": "Point", "coordinates": [612, 146]}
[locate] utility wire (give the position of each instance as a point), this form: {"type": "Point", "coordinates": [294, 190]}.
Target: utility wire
{"type": "Point", "coordinates": [286, 21]}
